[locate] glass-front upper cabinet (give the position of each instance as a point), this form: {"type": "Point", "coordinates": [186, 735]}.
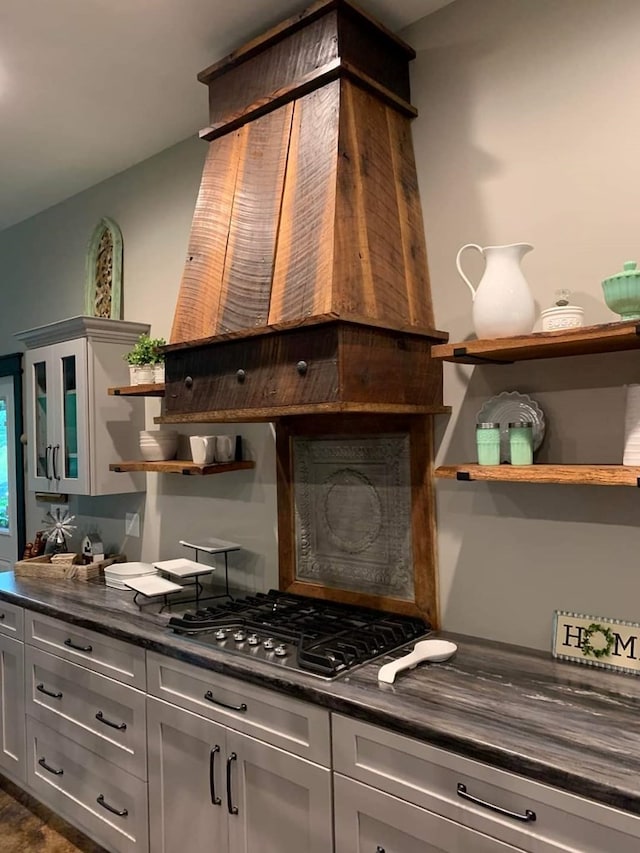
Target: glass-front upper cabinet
{"type": "Point", "coordinates": [57, 402]}
{"type": "Point", "coordinates": [75, 428]}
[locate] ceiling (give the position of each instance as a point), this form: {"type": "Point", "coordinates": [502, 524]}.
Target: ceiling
{"type": "Point", "coordinates": [90, 87]}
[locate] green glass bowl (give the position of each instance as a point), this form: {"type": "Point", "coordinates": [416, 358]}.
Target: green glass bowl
{"type": "Point", "coordinates": [622, 292]}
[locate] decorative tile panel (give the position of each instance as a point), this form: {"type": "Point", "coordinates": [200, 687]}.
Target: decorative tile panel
{"type": "Point", "coordinates": [353, 513]}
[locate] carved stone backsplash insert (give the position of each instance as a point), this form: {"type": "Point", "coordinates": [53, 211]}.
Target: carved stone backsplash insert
{"type": "Point", "coordinates": [353, 513]}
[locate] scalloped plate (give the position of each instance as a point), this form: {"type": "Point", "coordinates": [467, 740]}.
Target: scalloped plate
{"type": "Point", "coordinates": [511, 407]}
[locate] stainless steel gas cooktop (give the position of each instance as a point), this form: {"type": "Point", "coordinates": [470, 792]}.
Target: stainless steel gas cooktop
{"type": "Point", "coordinates": [300, 633]}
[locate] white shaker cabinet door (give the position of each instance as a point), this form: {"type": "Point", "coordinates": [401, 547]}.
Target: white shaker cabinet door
{"type": "Point", "coordinates": [187, 798]}
{"type": "Point", "coordinates": [12, 726]}
{"type": "Point", "coordinates": [277, 802]}
{"type": "Point", "coordinates": [368, 821]}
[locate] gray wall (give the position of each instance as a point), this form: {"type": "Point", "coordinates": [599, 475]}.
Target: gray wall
{"type": "Point", "coordinates": [42, 274]}
{"type": "Point", "coordinates": [526, 133]}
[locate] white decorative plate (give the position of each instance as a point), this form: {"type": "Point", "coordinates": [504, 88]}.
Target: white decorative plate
{"type": "Point", "coordinates": [181, 568]}
{"type": "Point", "coordinates": [152, 585]}
{"type": "Point", "coordinates": [512, 407]}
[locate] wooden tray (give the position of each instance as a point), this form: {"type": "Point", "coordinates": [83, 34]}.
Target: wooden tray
{"type": "Point", "coordinates": [42, 567]}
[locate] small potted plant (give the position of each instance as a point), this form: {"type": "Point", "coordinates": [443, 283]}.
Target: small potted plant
{"type": "Point", "coordinates": [141, 359]}
{"type": "Point", "coordinates": [158, 359]}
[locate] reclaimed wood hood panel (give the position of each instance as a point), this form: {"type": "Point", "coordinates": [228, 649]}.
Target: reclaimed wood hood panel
{"type": "Point", "coordinates": [309, 205]}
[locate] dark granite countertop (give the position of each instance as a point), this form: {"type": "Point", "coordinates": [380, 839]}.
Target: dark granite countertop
{"type": "Point", "coordinates": [558, 723]}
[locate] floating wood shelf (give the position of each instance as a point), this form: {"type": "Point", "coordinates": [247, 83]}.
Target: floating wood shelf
{"type": "Point", "coordinates": [587, 340]}
{"type": "Point", "coordinates": [155, 390]}
{"type": "Point", "coordinates": [272, 413]}
{"type": "Point", "coordinates": [580, 475]}
{"type": "Point", "coordinates": [178, 466]}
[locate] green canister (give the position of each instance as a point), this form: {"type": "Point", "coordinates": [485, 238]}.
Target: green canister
{"type": "Point", "coordinates": [521, 443]}
{"type": "Point", "coordinates": [488, 443]}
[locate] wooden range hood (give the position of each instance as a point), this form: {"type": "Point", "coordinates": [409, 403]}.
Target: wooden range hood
{"type": "Point", "coordinates": [306, 287]}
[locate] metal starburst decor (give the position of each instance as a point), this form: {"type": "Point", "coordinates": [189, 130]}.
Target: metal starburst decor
{"type": "Point", "coordinates": [59, 528]}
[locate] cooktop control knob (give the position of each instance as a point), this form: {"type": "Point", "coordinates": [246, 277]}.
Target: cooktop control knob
{"type": "Point", "coordinates": [268, 643]}
{"type": "Point", "coordinates": [280, 651]}
{"type": "Point", "coordinates": [239, 636]}
{"type": "Point", "coordinates": [220, 634]}
{"type": "Point", "coordinates": [253, 640]}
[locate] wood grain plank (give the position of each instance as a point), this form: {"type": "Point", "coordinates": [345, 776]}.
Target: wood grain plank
{"type": "Point", "coordinates": [267, 414]}
{"type": "Point", "coordinates": [246, 287]}
{"type": "Point", "coordinates": [304, 259]}
{"type": "Point", "coordinates": [412, 234]}
{"type": "Point", "coordinates": [177, 466]}
{"type": "Point", "coordinates": [579, 475]}
{"type": "Point", "coordinates": [199, 295]}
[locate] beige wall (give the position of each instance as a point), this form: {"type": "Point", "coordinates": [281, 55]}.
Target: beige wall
{"type": "Point", "coordinates": [528, 132]}
{"type": "Point", "coordinates": [42, 275]}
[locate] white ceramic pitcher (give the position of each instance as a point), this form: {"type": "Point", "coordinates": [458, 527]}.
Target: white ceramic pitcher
{"type": "Point", "coordinates": [502, 302]}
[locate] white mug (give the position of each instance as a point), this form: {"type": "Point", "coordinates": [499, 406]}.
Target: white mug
{"type": "Point", "coordinates": [225, 448]}
{"type": "Point", "coordinates": [203, 448]}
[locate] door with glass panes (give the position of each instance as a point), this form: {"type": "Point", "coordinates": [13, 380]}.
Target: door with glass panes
{"type": "Point", "coordinates": [58, 420]}
{"type": "Point", "coordinates": [11, 513]}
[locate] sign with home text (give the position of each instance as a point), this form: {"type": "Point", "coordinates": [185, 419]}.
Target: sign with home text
{"type": "Point", "coordinates": [597, 641]}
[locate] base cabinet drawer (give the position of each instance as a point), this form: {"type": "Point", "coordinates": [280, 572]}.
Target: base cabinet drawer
{"type": "Point", "coordinates": [122, 661]}
{"type": "Point", "coordinates": [368, 821]}
{"type": "Point", "coordinates": [107, 717]}
{"type": "Point", "coordinates": [11, 620]}
{"type": "Point", "coordinates": [298, 727]}
{"type": "Point", "coordinates": [494, 802]}
{"type": "Point", "coordinates": [99, 798]}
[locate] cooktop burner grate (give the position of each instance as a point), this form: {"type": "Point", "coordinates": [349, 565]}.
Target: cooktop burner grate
{"type": "Point", "coordinates": [299, 632]}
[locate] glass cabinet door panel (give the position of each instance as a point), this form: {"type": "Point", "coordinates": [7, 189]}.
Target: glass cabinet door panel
{"type": "Point", "coordinates": [42, 444]}
{"type": "Point", "coordinates": [70, 417]}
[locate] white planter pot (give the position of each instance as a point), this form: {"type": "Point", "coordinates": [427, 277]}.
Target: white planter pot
{"type": "Point", "coordinates": [141, 374]}
{"type": "Point", "coordinates": [158, 373]}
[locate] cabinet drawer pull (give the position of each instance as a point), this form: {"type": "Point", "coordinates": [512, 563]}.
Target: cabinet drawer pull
{"type": "Point", "coordinates": [46, 692]}
{"type": "Point", "coordinates": [188, 382]}
{"type": "Point", "coordinates": [380, 849]}
{"type": "Point", "coordinates": [241, 375]}
{"type": "Point", "coordinates": [211, 698]}
{"type": "Point", "coordinates": [215, 801]}
{"type": "Point", "coordinates": [2, 615]}
{"type": "Point", "coordinates": [105, 805]}
{"type": "Point", "coordinates": [54, 458]}
{"type": "Point", "coordinates": [527, 817]}
{"type": "Point", "coordinates": [230, 807]}
{"type": "Point", "coordinates": [69, 642]}
{"type": "Point", "coordinates": [121, 727]}
{"type": "Point", "coordinates": [43, 763]}
{"type": "Point", "coordinates": [302, 367]}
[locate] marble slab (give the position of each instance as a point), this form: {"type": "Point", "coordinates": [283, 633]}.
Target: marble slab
{"type": "Point", "coordinates": [514, 708]}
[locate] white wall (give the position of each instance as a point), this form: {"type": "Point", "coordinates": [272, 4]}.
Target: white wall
{"type": "Point", "coordinates": [528, 132]}
{"type": "Point", "coordinates": [42, 275]}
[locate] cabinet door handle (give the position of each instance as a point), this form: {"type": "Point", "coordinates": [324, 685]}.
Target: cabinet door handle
{"type": "Point", "coordinates": [211, 698]}
{"type": "Point", "coordinates": [100, 800]}
{"type": "Point", "coordinates": [46, 462]}
{"type": "Point", "coordinates": [527, 817]}
{"type": "Point", "coordinates": [69, 642]}
{"type": "Point", "coordinates": [230, 807]}
{"type": "Point", "coordinates": [3, 615]}
{"type": "Point", "coordinates": [121, 727]}
{"type": "Point", "coordinates": [54, 457]}
{"type": "Point", "coordinates": [42, 762]}
{"type": "Point", "coordinates": [215, 801]}
{"type": "Point", "coordinates": [46, 692]}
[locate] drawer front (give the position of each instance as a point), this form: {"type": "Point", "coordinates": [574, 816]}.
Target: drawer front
{"type": "Point", "coordinates": [107, 717]}
{"type": "Point", "coordinates": [429, 777]}
{"type": "Point", "coordinates": [99, 798]}
{"type": "Point", "coordinates": [12, 708]}
{"type": "Point", "coordinates": [11, 620]}
{"type": "Point", "coordinates": [269, 373]}
{"type": "Point", "coordinates": [122, 661]}
{"type": "Point", "coordinates": [296, 726]}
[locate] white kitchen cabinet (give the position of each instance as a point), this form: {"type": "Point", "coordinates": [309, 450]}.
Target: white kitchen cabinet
{"type": "Point", "coordinates": [74, 428]}
{"type": "Point", "coordinates": [228, 792]}
{"type": "Point", "coordinates": [12, 723]}
{"type": "Point", "coordinates": [368, 821]}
